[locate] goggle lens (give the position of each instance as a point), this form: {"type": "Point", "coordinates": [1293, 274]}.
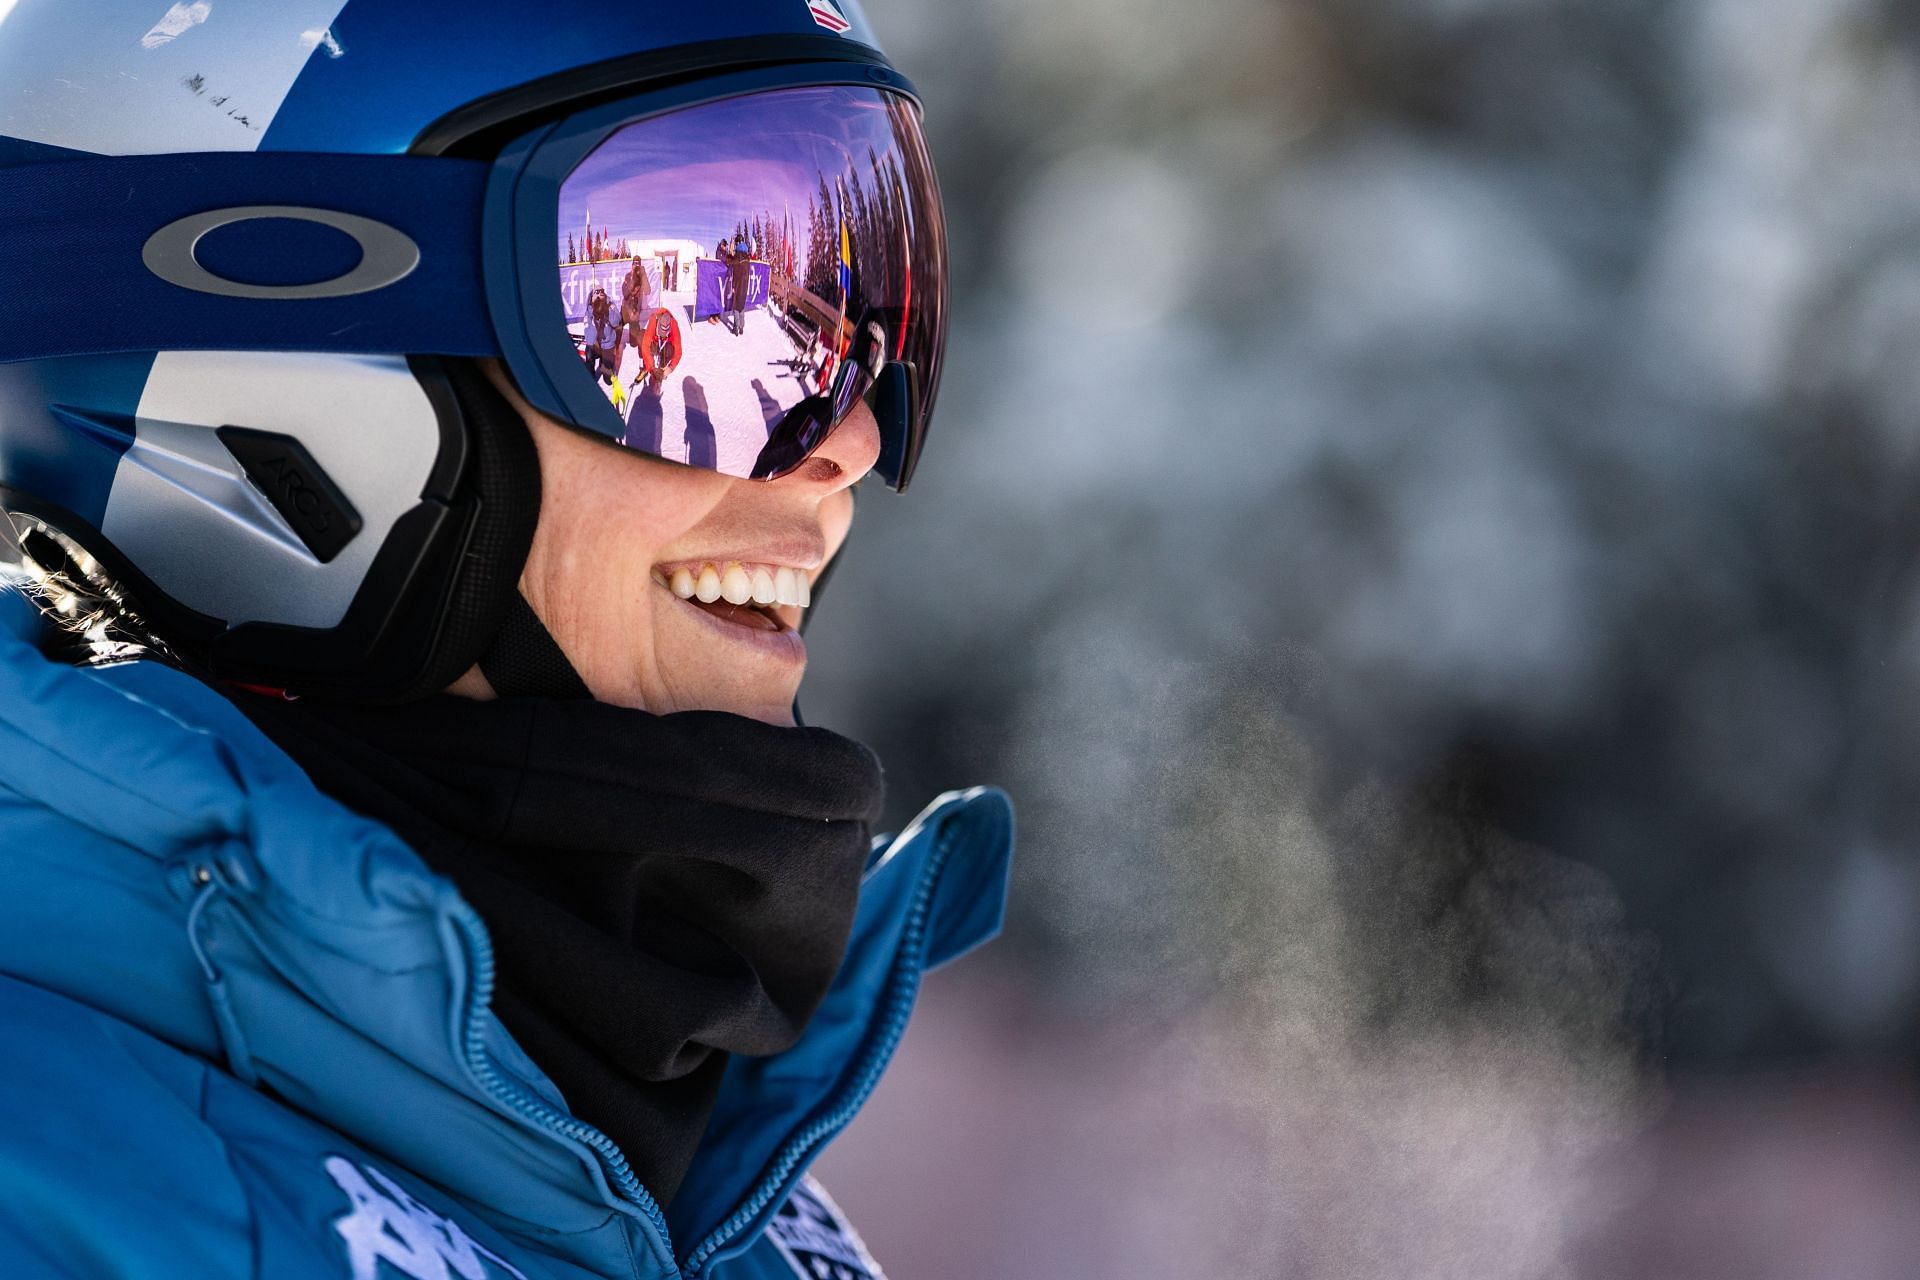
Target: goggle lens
{"type": "Point", "coordinates": [737, 275]}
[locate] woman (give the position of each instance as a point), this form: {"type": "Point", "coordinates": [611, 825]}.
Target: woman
{"type": "Point", "coordinates": [449, 890]}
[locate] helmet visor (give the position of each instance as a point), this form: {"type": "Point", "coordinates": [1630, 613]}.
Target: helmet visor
{"type": "Point", "coordinates": [735, 276]}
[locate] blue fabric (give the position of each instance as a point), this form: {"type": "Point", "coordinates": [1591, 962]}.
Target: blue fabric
{"type": "Point", "coordinates": [71, 235]}
{"type": "Point", "coordinates": [16, 151]}
{"type": "Point", "coordinates": [278, 251]}
{"type": "Point", "coordinates": [18, 616]}
{"type": "Point", "coordinates": [186, 916]}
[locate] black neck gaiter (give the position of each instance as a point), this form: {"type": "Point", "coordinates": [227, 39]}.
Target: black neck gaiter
{"type": "Point", "coordinates": [661, 890]}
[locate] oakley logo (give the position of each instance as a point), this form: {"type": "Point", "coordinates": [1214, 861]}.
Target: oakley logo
{"type": "Point", "coordinates": [387, 255]}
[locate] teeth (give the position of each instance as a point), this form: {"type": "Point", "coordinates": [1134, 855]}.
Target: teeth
{"type": "Point", "coordinates": [735, 586]}
{"type": "Point", "coordinates": [738, 583]}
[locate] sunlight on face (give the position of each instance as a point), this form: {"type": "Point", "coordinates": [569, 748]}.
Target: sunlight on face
{"type": "Point", "coordinates": [620, 530]}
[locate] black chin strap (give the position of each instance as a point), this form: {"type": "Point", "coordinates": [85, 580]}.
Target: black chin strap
{"type": "Point", "coordinates": [525, 662]}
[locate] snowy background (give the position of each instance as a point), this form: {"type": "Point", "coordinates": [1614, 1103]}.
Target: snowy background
{"type": "Point", "coordinates": [1422, 516]}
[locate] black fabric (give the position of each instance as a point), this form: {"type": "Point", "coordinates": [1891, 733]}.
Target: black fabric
{"type": "Point", "coordinates": [525, 661]}
{"type": "Point", "coordinates": [501, 484]}
{"type": "Point", "coordinates": [661, 890]}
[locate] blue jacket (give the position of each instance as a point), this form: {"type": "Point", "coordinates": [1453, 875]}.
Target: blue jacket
{"type": "Point", "coordinates": [245, 1032]}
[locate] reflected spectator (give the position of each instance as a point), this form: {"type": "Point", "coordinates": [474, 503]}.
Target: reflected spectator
{"type": "Point", "coordinates": [600, 342]}
{"type": "Point", "coordinates": [633, 301]}
{"type": "Point", "coordinates": [723, 253]}
{"type": "Point", "coordinates": [739, 283]}
{"type": "Point", "coordinates": [660, 348]}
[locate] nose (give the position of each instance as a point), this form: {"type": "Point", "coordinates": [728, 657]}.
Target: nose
{"type": "Point", "coordinates": [850, 451]}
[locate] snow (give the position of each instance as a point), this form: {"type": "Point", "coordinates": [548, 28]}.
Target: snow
{"type": "Point", "coordinates": [725, 396]}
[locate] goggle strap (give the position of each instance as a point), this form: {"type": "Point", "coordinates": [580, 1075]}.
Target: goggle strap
{"type": "Point", "coordinates": [73, 234]}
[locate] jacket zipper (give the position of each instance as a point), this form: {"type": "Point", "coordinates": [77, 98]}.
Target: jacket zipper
{"type": "Point", "coordinates": [518, 1098]}
{"type": "Point", "coordinates": [902, 985]}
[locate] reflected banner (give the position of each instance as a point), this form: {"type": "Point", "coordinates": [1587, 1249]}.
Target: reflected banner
{"type": "Point", "coordinates": [578, 281]}
{"type": "Point", "coordinates": [710, 298]}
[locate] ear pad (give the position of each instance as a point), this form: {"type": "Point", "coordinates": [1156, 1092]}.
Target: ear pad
{"type": "Point", "coordinates": [502, 488]}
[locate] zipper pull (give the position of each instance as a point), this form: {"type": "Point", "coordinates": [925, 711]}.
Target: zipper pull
{"type": "Point", "coordinates": [210, 885]}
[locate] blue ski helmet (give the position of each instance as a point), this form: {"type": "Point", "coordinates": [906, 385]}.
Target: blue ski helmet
{"type": "Point", "coordinates": [249, 252]}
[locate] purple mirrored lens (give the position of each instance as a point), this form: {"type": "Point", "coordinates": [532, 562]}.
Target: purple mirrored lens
{"type": "Point", "coordinates": [735, 275]}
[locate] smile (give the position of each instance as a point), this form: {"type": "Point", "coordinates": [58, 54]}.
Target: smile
{"type": "Point", "coordinates": [761, 597]}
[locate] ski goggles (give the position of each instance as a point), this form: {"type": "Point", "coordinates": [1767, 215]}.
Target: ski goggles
{"type": "Point", "coordinates": [714, 275]}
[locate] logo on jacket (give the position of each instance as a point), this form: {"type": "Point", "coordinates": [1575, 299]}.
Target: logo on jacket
{"type": "Point", "coordinates": [817, 1240]}
{"type": "Point", "coordinates": [388, 1225]}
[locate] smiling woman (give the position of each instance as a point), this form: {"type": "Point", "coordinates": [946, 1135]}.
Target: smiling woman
{"type": "Point", "coordinates": [662, 583]}
{"type": "Point", "coordinates": [433, 821]}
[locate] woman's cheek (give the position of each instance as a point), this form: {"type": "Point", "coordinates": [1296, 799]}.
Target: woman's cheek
{"type": "Point", "coordinates": [836, 518]}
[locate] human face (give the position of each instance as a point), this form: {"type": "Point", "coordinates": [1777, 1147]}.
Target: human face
{"type": "Point", "coordinates": [615, 526]}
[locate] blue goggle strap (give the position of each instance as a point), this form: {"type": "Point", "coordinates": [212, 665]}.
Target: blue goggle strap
{"type": "Point", "coordinates": [78, 256]}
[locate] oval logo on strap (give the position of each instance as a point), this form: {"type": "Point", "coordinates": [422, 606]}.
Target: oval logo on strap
{"type": "Point", "coordinates": [387, 255]}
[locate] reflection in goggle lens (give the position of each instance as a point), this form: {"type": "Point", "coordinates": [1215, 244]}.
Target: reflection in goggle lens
{"type": "Point", "coordinates": [737, 275]}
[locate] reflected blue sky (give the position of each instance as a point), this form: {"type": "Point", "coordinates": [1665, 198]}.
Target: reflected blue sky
{"type": "Point", "coordinates": [695, 174]}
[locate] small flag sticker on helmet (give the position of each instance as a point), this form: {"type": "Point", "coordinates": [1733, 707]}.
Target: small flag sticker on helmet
{"type": "Point", "coordinates": [828, 15]}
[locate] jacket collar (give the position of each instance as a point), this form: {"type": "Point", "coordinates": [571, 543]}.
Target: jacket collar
{"type": "Point", "coordinates": [260, 923]}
